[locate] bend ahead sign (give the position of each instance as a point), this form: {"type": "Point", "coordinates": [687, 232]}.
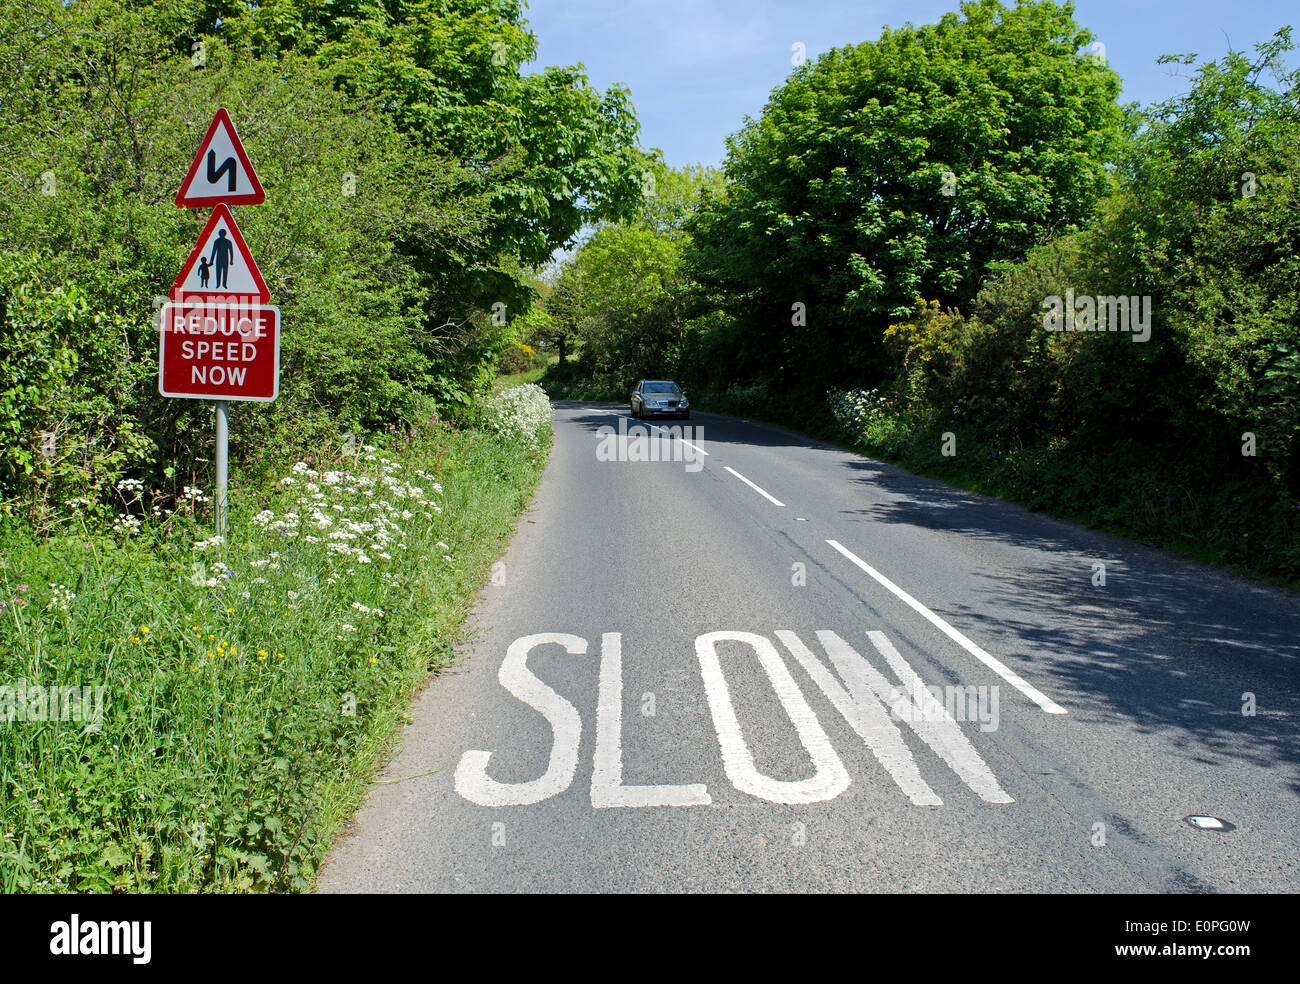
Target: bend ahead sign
{"type": "Point", "coordinates": [219, 351]}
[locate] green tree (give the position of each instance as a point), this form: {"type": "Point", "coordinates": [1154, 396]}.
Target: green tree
{"type": "Point", "coordinates": [624, 292]}
{"type": "Point", "coordinates": [105, 115]}
{"type": "Point", "coordinates": [672, 196]}
{"type": "Point", "coordinates": [36, 319]}
{"type": "Point", "coordinates": [635, 289]}
{"type": "Point", "coordinates": [550, 152]}
{"type": "Point", "coordinates": [902, 168]}
{"type": "Point", "coordinates": [1208, 222]}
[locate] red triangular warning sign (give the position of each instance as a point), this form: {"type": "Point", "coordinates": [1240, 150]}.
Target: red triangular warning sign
{"type": "Point", "coordinates": [221, 173]}
{"type": "Point", "coordinates": [220, 269]}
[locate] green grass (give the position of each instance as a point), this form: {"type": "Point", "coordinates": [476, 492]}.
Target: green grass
{"type": "Point", "coordinates": [518, 379]}
{"type": "Point", "coordinates": [245, 706]}
{"type": "Point", "coordinates": [533, 375]}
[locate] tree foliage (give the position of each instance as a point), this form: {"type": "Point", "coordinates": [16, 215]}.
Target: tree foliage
{"type": "Point", "coordinates": [413, 177]}
{"type": "Point", "coordinates": [1208, 221]}
{"type": "Point", "coordinates": [550, 152]}
{"type": "Point", "coordinates": [1194, 431]}
{"type": "Point", "coordinates": [624, 294]}
{"type": "Point", "coordinates": [901, 168]}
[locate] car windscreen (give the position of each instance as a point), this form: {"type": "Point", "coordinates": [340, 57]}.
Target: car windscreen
{"type": "Point", "coordinates": [662, 388]}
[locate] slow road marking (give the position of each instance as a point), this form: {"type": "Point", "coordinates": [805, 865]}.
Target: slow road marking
{"type": "Point", "coordinates": [866, 699]}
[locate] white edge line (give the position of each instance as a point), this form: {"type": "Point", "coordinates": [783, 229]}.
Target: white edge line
{"type": "Point", "coordinates": [770, 498]}
{"type": "Point", "coordinates": [994, 664]}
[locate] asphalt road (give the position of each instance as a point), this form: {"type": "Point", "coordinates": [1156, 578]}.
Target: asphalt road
{"type": "Point", "coordinates": [778, 666]}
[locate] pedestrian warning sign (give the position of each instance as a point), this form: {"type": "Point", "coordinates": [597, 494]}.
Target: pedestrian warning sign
{"type": "Point", "coordinates": [220, 268]}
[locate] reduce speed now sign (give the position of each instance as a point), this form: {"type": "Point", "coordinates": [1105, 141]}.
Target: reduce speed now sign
{"type": "Point", "coordinates": [219, 351]}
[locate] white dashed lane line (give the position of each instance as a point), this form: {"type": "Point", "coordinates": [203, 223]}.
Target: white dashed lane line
{"type": "Point", "coordinates": [993, 663]}
{"type": "Point", "coordinates": [769, 497]}
{"type": "Point", "coordinates": [679, 437]}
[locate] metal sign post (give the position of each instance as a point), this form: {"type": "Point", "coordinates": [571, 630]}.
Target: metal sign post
{"type": "Point", "coordinates": [223, 450]}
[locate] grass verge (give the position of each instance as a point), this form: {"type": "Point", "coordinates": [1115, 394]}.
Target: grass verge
{"type": "Point", "coordinates": [182, 715]}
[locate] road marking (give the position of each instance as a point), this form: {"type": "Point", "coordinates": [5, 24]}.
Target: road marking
{"type": "Point", "coordinates": [859, 699]}
{"type": "Point", "coordinates": [770, 498]}
{"type": "Point", "coordinates": [925, 715]}
{"type": "Point", "coordinates": [472, 781]}
{"type": "Point", "coordinates": [680, 438]}
{"type": "Point", "coordinates": [646, 423]}
{"type": "Point", "coordinates": [830, 779]}
{"type": "Point", "coordinates": [994, 664]}
{"type": "Point", "coordinates": [865, 686]}
{"type": "Point", "coordinates": [607, 787]}
{"type": "Point", "coordinates": [866, 715]}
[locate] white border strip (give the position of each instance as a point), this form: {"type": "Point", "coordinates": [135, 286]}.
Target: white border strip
{"type": "Point", "coordinates": [994, 664]}
{"type": "Point", "coordinates": [770, 498]}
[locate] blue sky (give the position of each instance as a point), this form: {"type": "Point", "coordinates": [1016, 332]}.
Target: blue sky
{"type": "Point", "coordinates": [696, 68]}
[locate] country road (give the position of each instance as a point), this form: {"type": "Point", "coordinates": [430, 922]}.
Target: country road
{"type": "Point", "coordinates": [772, 665]}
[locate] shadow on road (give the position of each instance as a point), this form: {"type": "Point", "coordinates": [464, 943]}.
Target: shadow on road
{"type": "Point", "coordinates": [716, 428]}
{"type": "Point", "coordinates": [1167, 644]}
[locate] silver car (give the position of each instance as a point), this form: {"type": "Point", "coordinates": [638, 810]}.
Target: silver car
{"type": "Point", "coordinates": [659, 396]}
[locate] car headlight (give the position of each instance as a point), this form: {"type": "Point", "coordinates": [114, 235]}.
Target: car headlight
{"type": "Point", "coordinates": [685, 402]}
